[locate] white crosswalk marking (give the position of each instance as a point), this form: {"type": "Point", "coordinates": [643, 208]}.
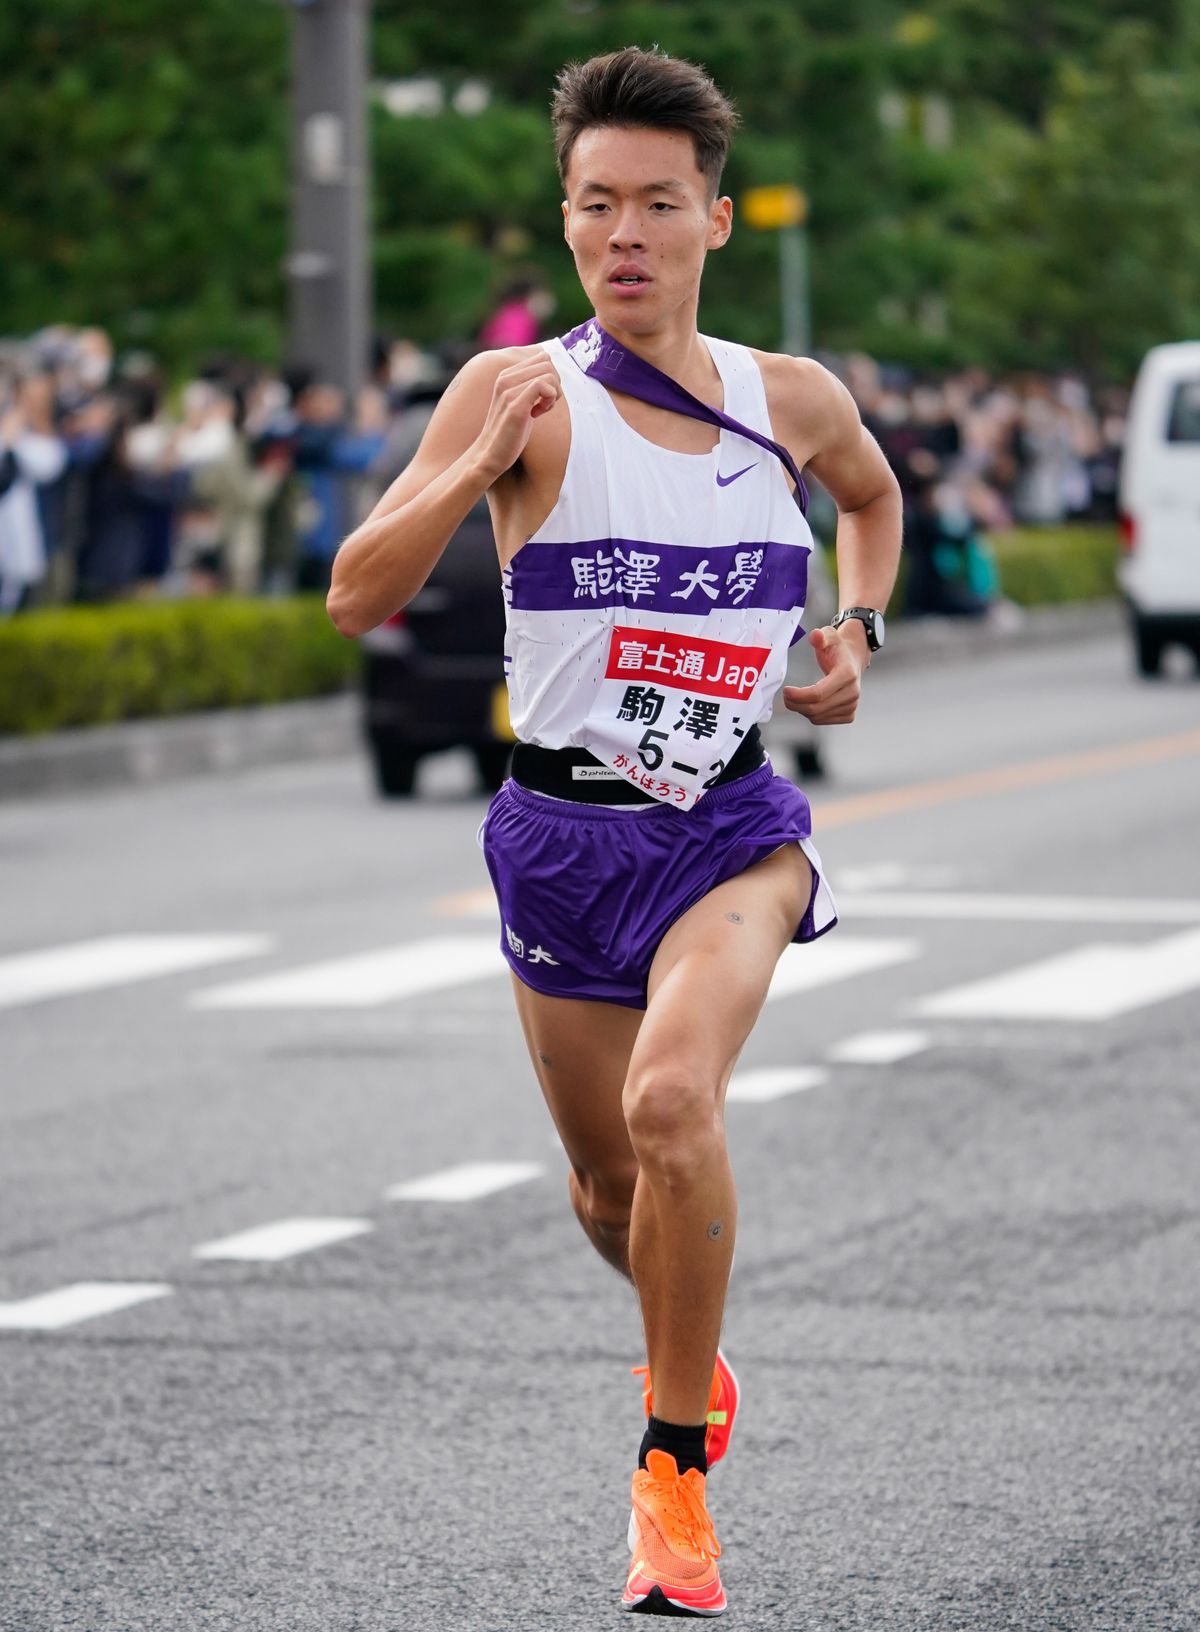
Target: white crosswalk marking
{"type": "Point", "coordinates": [890, 875]}
{"type": "Point", "coordinates": [879, 1047]}
{"type": "Point", "coordinates": [51, 1311]}
{"type": "Point", "coordinates": [774, 1082]}
{"type": "Point", "coordinates": [467, 1182]}
{"type": "Point", "coordinates": [1092, 983]}
{"type": "Point", "coordinates": [1033, 909]}
{"type": "Point", "coordinates": [835, 957]}
{"type": "Point", "coordinates": [366, 979]}
{"type": "Point", "coordinates": [115, 960]}
{"type": "Point", "coordinates": [882, 875]}
{"type": "Point", "coordinates": [269, 1243]}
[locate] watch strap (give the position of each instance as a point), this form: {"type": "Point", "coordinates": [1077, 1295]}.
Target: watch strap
{"type": "Point", "coordinates": [865, 615]}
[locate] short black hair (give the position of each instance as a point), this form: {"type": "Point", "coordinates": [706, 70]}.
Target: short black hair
{"type": "Point", "coordinates": [646, 90]}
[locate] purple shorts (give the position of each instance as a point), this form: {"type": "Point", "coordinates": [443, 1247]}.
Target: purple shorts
{"type": "Point", "coordinates": [587, 892]}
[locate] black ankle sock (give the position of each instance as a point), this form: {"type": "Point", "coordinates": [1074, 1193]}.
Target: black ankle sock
{"type": "Point", "coordinates": [682, 1441]}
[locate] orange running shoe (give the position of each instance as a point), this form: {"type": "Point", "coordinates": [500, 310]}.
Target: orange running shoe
{"type": "Point", "coordinates": [674, 1566]}
{"type": "Point", "coordinates": [723, 1399]}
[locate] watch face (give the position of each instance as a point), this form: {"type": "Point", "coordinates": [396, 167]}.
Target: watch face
{"type": "Point", "coordinates": [879, 628]}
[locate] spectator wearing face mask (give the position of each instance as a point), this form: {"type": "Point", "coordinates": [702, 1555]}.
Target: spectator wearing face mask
{"type": "Point", "coordinates": [950, 568]}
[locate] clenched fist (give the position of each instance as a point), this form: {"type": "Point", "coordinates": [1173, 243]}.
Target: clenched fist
{"type": "Point", "coordinates": [520, 395]}
{"type": "Point", "coordinates": [842, 656]}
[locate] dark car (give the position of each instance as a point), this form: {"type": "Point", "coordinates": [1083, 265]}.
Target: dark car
{"type": "Point", "coordinates": [433, 675]}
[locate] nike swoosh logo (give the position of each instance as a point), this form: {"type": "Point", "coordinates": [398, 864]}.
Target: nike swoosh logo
{"type": "Point", "coordinates": [724, 481]}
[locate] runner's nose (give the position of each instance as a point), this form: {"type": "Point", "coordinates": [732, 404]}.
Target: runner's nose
{"type": "Point", "coordinates": [626, 232]}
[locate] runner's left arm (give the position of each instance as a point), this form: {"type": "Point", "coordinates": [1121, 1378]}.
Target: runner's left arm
{"type": "Point", "coordinates": [850, 466]}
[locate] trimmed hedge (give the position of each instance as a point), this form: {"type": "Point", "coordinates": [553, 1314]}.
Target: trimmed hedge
{"type": "Point", "coordinates": [1045, 566]}
{"type": "Point", "coordinates": [79, 666]}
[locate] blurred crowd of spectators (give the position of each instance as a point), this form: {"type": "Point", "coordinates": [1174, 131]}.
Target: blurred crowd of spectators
{"type": "Point", "coordinates": [974, 454]}
{"type": "Point", "coordinates": [246, 479]}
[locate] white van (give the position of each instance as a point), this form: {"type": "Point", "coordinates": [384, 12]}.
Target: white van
{"type": "Point", "coordinates": [1160, 504]}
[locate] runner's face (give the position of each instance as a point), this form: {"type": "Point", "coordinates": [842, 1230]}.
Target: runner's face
{"type": "Point", "coordinates": [639, 222]}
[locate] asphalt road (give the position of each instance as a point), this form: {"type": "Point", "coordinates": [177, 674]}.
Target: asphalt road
{"type": "Point", "coordinates": [964, 1309]}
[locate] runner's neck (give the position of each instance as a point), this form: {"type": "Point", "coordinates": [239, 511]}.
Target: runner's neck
{"type": "Point", "coordinates": [684, 358]}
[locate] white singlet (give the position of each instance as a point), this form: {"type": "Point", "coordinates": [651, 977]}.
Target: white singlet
{"type": "Point", "coordinates": [649, 617]}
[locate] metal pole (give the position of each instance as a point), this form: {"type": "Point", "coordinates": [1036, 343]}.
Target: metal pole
{"type": "Point", "coordinates": [328, 266]}
{"type": "Point", "coordinates": [793, 291]}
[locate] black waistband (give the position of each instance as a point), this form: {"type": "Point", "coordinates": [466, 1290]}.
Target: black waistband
{"type": "Point", "coordinates": [551, 770]}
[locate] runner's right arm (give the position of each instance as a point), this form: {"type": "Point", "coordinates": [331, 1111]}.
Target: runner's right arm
{"type": "Point", "coordinates": [478, 431]}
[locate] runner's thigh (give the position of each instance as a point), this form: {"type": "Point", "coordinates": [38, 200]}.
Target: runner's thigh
{"type": "Point", "coordinates": [580, 1051]}
{"type": "Point", "coordinates": [711, 972]}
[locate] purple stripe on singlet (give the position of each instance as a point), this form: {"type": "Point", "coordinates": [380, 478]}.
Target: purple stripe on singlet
{"type": "Point", "coordinates": [679, 578]}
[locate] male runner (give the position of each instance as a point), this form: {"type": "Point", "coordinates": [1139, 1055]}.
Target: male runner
{"type": "Point", "coordinates": [649, 865]}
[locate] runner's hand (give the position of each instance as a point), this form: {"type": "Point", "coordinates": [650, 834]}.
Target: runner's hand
{"type": "Point", "coordinates": [834, 698]}
{"type": "Point", "coordinates": [520, 395]}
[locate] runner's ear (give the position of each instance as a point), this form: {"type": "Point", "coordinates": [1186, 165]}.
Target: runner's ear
{"type": "Point", "coordinates": [720, 222]}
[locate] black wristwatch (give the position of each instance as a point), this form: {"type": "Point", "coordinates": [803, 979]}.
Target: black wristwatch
{"type": "Point", "coordinates": [871, 621]}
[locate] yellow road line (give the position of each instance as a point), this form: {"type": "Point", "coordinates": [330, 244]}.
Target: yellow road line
{"type": "Point", "coordinates": [466, 903]}
{"type": "Point", "coordinates": [1034, 773]}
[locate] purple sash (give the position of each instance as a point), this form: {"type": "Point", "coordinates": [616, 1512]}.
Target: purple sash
{"type": "Point", "coordinates": [606, 360]}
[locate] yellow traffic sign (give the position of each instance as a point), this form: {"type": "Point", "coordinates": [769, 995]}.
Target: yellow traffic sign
{"type": "Point", "coordinates": [770, 208]}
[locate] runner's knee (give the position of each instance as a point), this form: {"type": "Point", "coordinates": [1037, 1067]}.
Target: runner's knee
{"type": "Point", "coordinates": [672, 1119]}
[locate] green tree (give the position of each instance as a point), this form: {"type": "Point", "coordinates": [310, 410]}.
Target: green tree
{"type": "Point", "coordinates": [143, 157]}
{"type": "Point", "coordinates": [760, 53]}
{"type": "Point", "coordinates": [1009, 187]}
{"type": "Point", "coordinates": [1012, 57]}
{"type": "Point", "coordinates": [456, 198]}
{"type": "Point", "coordinates": [1087, 241]}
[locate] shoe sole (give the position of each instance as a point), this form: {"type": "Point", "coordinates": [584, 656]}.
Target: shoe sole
{"type": "Point", "coordinates": [656, 1602]}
